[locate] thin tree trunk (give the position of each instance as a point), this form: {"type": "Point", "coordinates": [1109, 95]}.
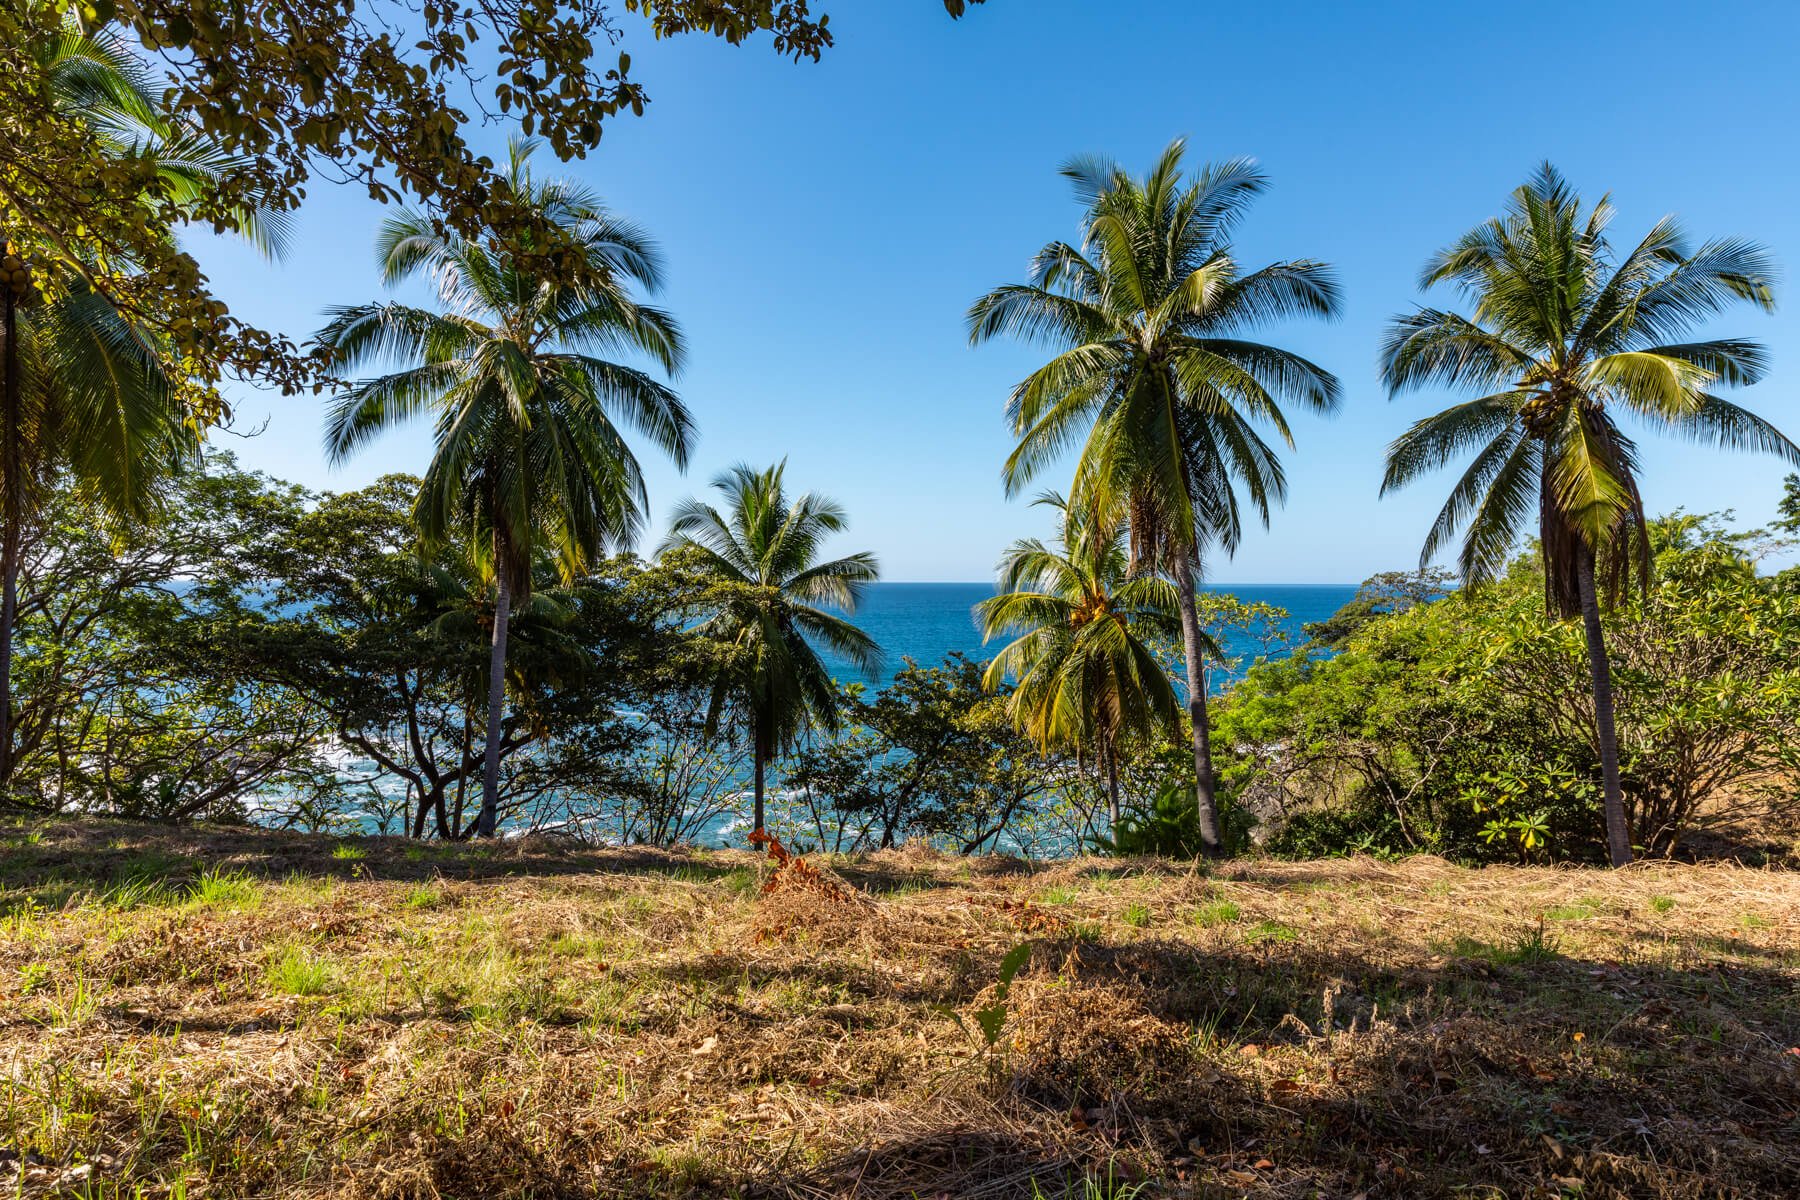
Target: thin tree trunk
{"type": "Point", "coordinates": [1112, 789]}
{"type": "Point", "coordinates": [1205, 790]}
{"type": "Point", "coordinates": [13, 515]}
{"type": "Point", "coordinates": [1618, 835]}
{"type": "Point", "coordinates": [757, 754]}
{"type": "Point", "coordinates": [490, 766]}
{"type": "Point", "coordinates": [462, 753]}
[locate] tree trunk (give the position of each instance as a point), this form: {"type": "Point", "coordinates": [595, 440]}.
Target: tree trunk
{"type": "Point", "coordinates": [462, 763]}
{"type": "Point", "coordinates": [1618, 834]}
{"type": "Point", "coordinates": [12, 515]}
{"type": "Point", "coordinates": [757, 753]}
{"type": "Point", "coordinates": [490, 765]}
{"type": "Point", "coordinates": [1112, 789]}
{"type": "Point", "coordinates": [1205, 791]}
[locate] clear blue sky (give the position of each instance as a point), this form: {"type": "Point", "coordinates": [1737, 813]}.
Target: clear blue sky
{"type": "Point", "coordinates": [826, 226]}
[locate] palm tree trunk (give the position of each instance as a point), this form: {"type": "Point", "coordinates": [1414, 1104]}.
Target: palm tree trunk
{"type": "Point", "coordinates": [10, 536]}
{"type": "Point", "coordinates": [1205, 797]}
{"type": "Point", "coordinates": [1112, 789]}
{"type": "Point", "coordinates": [490, 766]}
{"type": "Point", "coordinates": [1618, 835]}
{"type": "Point", "coordinates": [757, 753]}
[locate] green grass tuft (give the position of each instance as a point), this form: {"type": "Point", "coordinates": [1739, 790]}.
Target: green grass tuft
{"type": "Point", "coordinates": [1217, 912]}
{"type": "Point", "coordinates": [297, 972]}
{"type": "Point", "coordinates": [225, 888]}
{"type": "Point", "coordinates": [1271, 932]}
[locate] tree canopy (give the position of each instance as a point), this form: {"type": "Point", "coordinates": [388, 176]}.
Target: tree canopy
{"type": "Point", "coordinates": [382, 96]}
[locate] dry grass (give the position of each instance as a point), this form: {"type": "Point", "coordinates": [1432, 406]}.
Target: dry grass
{"type": "Point", "coordinates": [229, 1013]}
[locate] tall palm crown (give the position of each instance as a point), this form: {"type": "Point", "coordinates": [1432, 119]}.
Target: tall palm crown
{"type": "Point", "coordinates": [763, 551]}
{"type": "Point", "coordinates": [1563, 337]}
{"type": "Point", "coordinates": [1156, 379]}
{"type": "Point", "coordinates": [1085, 674]}
{"type": "Point", "coordinates": [1081, 663]}
{"type": "Point", "coordinates": [1153, 374]}
{"type": "Point", "coordinates": [529, 456]}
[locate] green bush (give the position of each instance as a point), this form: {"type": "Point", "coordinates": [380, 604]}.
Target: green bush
{"type": "Point", "coordinates": [1462, 726]}
{"type": "Point", "coordinates": [1170, 828]}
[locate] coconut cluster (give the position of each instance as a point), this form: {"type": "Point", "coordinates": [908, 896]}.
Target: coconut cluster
{"type": "Point", "coordinates": [15, 276]}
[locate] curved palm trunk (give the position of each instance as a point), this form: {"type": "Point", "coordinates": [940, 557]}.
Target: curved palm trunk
{"type": "Point", "coordinates": [490, 765]}
{"type": "Point", "coordinates": [1205, 791]}
{"type": "Point", "coordinates": [1618, 836]}
{"type": "Point", "coordinates": [12, 516]}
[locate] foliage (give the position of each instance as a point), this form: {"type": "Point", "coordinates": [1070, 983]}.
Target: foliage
{"type": "Point", "coordinates": [1085, 676]}
{"type": "Point", "coordinates": [1570, 334]}
{"type": "Point", "coordinates": [1386, 592]}
{"type": "Point", "coordinates": [133, 696]}
{"type": "Point", "coordinates": [1170, 828]}
{"type": "Point", "coordinates": [1461, 726]}
{"type": "Point", "coordinates": [990, 1018]}
{"type": "Point", "coordinates": [274, 654]}
{"type": "Point", "coordinates": [769, 600]}
{"type": "Point", "coordinates": [92, 395]}
{"type": "Point", "coordinates": [380, 97]}
{"type": "Point", "coordinates": [396, 649]}
{"type": "Point", "coordinates": [529, 466]}
{"type": "Point", "coordinates": [1153, 374]}
{"type": "Point", "coordinates": [934, 755]}
{"type": "Point", "coordinates": [1564, 336]}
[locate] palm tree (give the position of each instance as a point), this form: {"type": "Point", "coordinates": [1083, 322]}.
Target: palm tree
{"type": "Point", "coordinates": [1155, 378]}
{"type": "Point", "coordinates": [87, 396]}
{"type": "Point", "coordinates": [763, 555]}
{"type": "Point", "coordinates": [1085, 675]}
{"type": "Point", "coordinates": [529, 461]}
{"type": "Point", "coordinates": [1563, 337]}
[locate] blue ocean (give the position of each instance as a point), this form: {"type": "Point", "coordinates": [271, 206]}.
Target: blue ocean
{"type": "Point", "coordinates": [926, 621]}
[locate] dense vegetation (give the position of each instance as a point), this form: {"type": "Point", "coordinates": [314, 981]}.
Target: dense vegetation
{"type": "Point", "coordinates": [479, 648]}
{"type": "Point", "coordinates": [1463, 725]}
{"type": "Point", "coordinates": [269, 654]}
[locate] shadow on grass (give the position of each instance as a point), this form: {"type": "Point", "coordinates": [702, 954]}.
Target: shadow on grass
{"type": "Point", "coordinates": [62, 858]}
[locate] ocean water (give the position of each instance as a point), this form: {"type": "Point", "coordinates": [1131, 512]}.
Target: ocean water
{"type": "Point", "coordinates": [926, 621]}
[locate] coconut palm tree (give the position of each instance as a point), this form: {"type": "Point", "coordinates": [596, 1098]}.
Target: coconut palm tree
{"type": "Point", "coordinates": [1563, 336]}
{"type": "Point", "coordinates": [87, 396]}
{"type": "Point", "coordinates": [762, 553]}
{"type": "Point", "coordinates": [1156, 380]}
{"type": "Point", "coordinates": [1085, 675]}
{"type": "Point", "coordinates": [530, 462]}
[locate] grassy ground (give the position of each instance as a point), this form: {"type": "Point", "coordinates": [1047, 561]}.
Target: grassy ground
{"type": "Point", "coordinates": [229, 1013]}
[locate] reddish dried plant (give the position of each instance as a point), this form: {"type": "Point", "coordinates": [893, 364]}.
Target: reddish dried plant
{"type": "Point", "coordinates": [793, 875]}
